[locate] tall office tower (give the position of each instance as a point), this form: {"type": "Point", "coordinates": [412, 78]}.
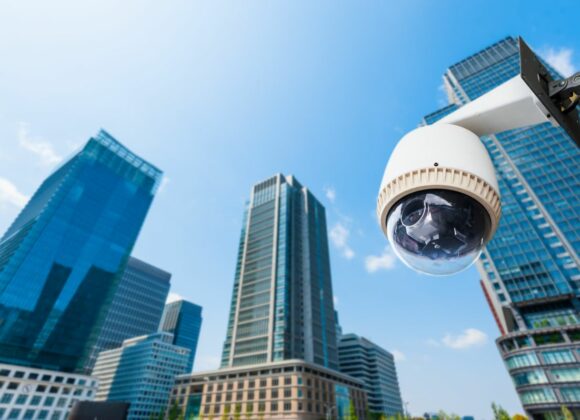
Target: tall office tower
{"type": "Point", "coordinates": [136, 308]}
{"type": "Point", "coordinates": [282, 304]}
{"type": "Point", "coordinates": [61, 259]}
{"type": "Point", "coordinates": [183, 319]}
{"type": "Point", "coordinates": [141, 372]}
{"type": "Point", "coordinates": [530, 270]}
{"type": "Point", "coordinates": [366, 361]}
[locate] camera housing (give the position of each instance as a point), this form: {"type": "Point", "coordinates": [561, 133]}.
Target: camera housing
{"type": "Point", "coordinates": [439, 200]}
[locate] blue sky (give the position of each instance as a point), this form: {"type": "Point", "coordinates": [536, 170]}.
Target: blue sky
{"type": "Point", "coordinates": [221, 95]}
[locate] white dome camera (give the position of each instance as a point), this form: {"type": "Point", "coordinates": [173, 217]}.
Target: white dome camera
{"type": "Point", "coordinates": [438, 203]}
{"type": "Point", "coordinates": [439, 200]}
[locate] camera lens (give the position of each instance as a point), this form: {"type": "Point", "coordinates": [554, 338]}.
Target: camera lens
{"type": "Point", "coordinates": [438, 232]}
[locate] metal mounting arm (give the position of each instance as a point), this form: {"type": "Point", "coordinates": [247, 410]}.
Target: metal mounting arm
{"type": "Point", "coordinates": [530, 98]}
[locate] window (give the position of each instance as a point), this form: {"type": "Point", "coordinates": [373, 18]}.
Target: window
{"type": "Point", "coordinates": [33, 375]}
{"type": "Point", "coordinates": [262, 395]}
{"type": "Point", "coordinates": [61, 402]}
{"type": "Point", "coordinates": [566, 374]}
{"type": "Point", "coordinates": [263, 382]}
{"type": "Point", "coordinates": [288, 380]}
{"type": "Point", "coordinates": [21, 399]}
{"type": "Point", "coordinates": [558, 356]}
{"type": "Point", "coordinates": [19, 374]}
{"type": "Point", "coordinates": [239, 396]}
{"type": "Point", "coordinates": [571, 394]}
{"type": "Point", "coordinates": [13, 385]}
{"type": "Point", "coordinates": [536, 376]}
{"type": "Point", "coordinates": [53, 390]}
{"type": "Point", "coordinates": [40, 388]}
{"type": "Point", "coordinates": [15, 413]}
{"type": "Point", "coordinates": [4, 372]}
{"type": "Point", "coordinates": [287, 406]}
{"type": "Point", "coordinates": [536, 396]}
{"type": "Point", "coordinates": [48, 401]}
{"type": "Point", "coordinates": [6, 398]}
{"type": "Point", "coordinates": [46, 377]}
{"type": "Point", "coordinates": [35, 400]}
{"type": "Point", "coordinates": [273, 406]}
{"type": "Point", "coordinates": [522, 360]}
{"type": "Point", "coordinates": [287, 393]}
{"type": "Point", "coordinates": [250, 395]}
{"type": "Point", "coordinates": [274, 393]}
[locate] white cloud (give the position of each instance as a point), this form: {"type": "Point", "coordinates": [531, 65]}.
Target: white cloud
{"type": "Point", "coordinates": [398, 355]}
{"type": "Point", "coordinates": [560, 59]}
{"type": "Point", "coordinates": [173, 297]}
{"type": "Point", "coordinates": [10, 195]}
{"type": "Point", "coordinates": [385, 261]}
{"type": "Point", "coordinates": [339, 237]}
{"type": "Point", "coordinates": [335, 301]}
{"type": "Point", "coordinates": [330, 194]}
{"type": "Point", "coordinates": [471, 337]}
{"type": "Point", "coordinates": [38, 146]}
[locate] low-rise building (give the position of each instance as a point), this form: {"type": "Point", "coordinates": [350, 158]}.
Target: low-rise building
{"type": "Point", "coordinates": [141, 372]}
{"type": "Point", "coordinates": [30, 393]}
{"type": "Point", "coordinates": [375, 366]}
{"type": "Point", "coordinates": [289, 390]}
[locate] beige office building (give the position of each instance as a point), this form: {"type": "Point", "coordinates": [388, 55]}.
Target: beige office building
{"type": "Point", "coordinates": [289, 390]}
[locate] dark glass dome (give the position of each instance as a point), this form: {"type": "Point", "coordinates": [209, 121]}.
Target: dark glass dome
{"type": "Point", "coordinates": [438, 232]}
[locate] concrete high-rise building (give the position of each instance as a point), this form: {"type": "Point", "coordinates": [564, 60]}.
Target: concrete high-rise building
{"type": "Point", "coordinates": [141, 372]}
{"type": "Point", "coordinates": [530, 271]}
{"type": "Point", "coordinates": [183, 319]}
{"type": "Point", "coordinates": [62, 258]}
{"type": "Point", "coordinates": [282, 305]}
{"type": "Point", "coordinates": [136, 308]}
{"type": "Point", "coordinates": [375, 366]}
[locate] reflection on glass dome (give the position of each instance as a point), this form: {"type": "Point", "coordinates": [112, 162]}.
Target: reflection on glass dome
{"type": "Point", "coordinates": [438, 232]}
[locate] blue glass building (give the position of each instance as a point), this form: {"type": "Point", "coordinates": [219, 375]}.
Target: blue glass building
{"type": "Point", "coordinates": [136, 308]}
{"type": "Point", "coordinates": [61, 259]}
{"type": "Point", "coordinates": [141, 372]}
{"type": "Point", "coordinates": [183, 319]}
{"type": "Point", "coordinates": [282, 303]}
{"type": "Point", "coordinates": [530, 270]}
{"type": "Point", "coordinates": [375, 366]}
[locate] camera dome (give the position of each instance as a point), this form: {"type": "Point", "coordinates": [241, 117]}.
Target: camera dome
{"type": "Point", "coordinates": [439, 201]}
{"type": "Point", "coordinates": [438, 231]}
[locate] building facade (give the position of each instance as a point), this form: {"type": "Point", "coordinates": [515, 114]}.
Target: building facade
{"type": "Point", "coordinates": [136, 308]}
{"type": "Point", "coordinates": [282, 303]}
{"type": "Point", "coordinates": [288, 390]}
{"type": "Point", "coordinates": [530, 270]}
{"type": "Point", "coordinates": [375, 367]}
{"type": "Point", "coordinates": [37, 394]}
{"type": "Point", "coordinates": [183, 319]}
{"type": "Point", "coordinates": [141, 372]}
{"type": "Point", "coordinates": [65, 252]}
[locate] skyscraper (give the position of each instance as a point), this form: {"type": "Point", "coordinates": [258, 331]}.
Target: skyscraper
{"type": "Point", "coordinates": [136, 308]}
{"type": "Point", "coordinates": [530, 270]}
{"type": "Point", "coordinates": [61, 259]}
{"type": "Point", "coordinates": [183, 319]}
{"type": "Point", "coordinates": [142, 372]}
{"type": "Point", "coordinates": [282, 305]}
{"type": "Point", "coordinates": [375, 366]}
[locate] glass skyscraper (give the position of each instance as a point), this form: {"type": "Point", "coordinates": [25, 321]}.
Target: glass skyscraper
{"type": "Point", "coordinates": [183, 319]}
{"type": "Point", "coordinates": [136, 308]}
{"type": "Point", "coordinates": [282, 305]}
{"type": "Point", "coordinates": [530, 270]}
{"type": "Point", "coordinates": [61, 259]}
{"type": "Point", "coordinates": [375, 366]}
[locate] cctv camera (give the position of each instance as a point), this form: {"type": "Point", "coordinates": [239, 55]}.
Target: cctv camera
{"type": "Point", "coordinates": [439, 203]}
